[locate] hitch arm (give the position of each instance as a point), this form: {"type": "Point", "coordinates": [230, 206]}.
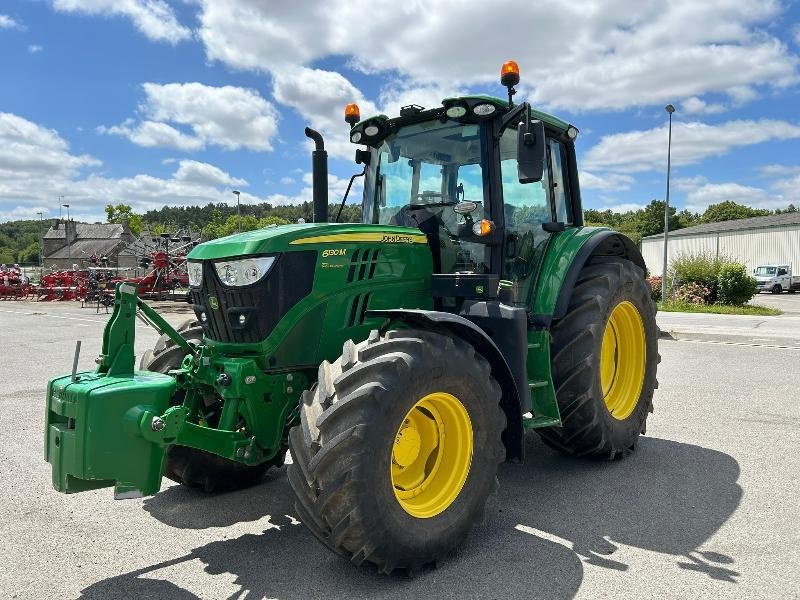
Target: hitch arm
{"type": "Point", "coordinates": [157, 322]}
{"type": "Point", "coordinates": [117, 358]}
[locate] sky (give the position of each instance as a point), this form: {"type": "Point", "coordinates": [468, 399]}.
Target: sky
{"type": "Point", "coordinates": [180, 102]}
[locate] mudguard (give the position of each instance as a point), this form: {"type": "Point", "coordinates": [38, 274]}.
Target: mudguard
{"type": "Point", "coordinates": [513, 436]}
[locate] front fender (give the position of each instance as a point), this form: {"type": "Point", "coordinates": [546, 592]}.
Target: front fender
{"type": "Point", "coordinates": [452, 324]}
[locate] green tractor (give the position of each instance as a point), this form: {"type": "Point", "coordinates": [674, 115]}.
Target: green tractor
{"type": "Point", "coordinates": [401, 359]}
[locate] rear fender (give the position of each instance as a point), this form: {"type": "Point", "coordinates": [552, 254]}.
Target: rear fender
{"type": "Point", "coordinates": [567, 254]}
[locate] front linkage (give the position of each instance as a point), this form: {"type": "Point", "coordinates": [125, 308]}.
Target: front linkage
{"type": "Point", "coordinates": [112, 427]}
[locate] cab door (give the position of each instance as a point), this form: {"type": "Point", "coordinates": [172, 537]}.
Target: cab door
{"type": "Point", "coordinates": [532, 213]}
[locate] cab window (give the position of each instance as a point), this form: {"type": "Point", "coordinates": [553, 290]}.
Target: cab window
{"type": "Point", "coordinates": [526, 207]}
{"type": "Point", "coordinates": [558, 163]}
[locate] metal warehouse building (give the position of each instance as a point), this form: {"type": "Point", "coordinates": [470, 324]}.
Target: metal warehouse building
{"type": "Point", "coordinates": [756, 241]}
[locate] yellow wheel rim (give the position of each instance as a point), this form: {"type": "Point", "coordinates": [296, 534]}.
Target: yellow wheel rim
{"type": "Point", "coordinates": [431, 455]}
{"type": "Point", "coordinates": [622, 360]}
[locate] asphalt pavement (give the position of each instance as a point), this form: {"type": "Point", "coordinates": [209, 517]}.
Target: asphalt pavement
{"type": "Point", "coordinates": [706, 507]}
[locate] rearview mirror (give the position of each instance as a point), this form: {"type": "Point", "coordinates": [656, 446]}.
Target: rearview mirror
{"type": "Point", "coordinates": [530, 151]}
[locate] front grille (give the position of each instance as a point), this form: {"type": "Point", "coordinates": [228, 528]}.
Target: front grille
{"type": "Point", "coordinates": [263, 304]}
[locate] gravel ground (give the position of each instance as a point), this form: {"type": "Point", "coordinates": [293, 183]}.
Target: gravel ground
{"type": "Point", "coordinates": [706, 507]}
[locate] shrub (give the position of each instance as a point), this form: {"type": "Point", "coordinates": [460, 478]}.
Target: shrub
{"type": "Point", "coordinates": [655, 287]}
{"type": "Point", "coordinates": [734, 284]}
{"type": "Point", "coordinates": [693, 293]}
{"type": "Point", "coordinates": [702, 269]}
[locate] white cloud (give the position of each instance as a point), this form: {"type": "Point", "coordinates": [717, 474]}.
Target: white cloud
{"type": "Point", "coordinates": [287, 180]}
{"type": "Point", "coordinates": [701, 197]}
{"type": "Point", "coordinates": [696, 106]}
{"type": "Point", "coordinates": [609, 182]}
{"type": "Point", "coordinates": [336, 189]}
{"type": "Point", "coordinates": [151, 134]}
{"type": "Point", "coordinates": [30, 152]}
{"type": "Point", "coordinates": [228, 116]}
{"type": "Point", "coordinates": [192, 171]}
{"type": "Point", "coordinates": [778, 170]}
{"type": "Point", "coordinates": [7, 22]}
{"type": "Point", "coordinates": [637, 151]}
{"type": "Point", "coordinates": [154, 18]}
{"type": "Point", "coordinates": [595, 54]}
{"type": "Point", "coordinates": [34, 48]}
{"type": "Point", "coordinates": [623, 207]}
{"type": "Point", "coordinates": [320, 97]}
{"type": "Point", "coordinates": [23, 213]}
{"type": "Point", "coordinates": [36, 167]}
{"type": "Point", "coordinates": [701, 193]}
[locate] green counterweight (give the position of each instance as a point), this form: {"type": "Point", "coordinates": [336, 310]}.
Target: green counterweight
{"type": "Point", "coordinates": [112, 426]}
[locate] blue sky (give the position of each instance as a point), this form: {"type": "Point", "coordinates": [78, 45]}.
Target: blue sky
{"type": "Point", "coordinates": [155, 102]}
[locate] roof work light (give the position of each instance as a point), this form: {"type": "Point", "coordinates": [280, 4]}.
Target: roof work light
{"type": "Point", "coordinates": [509, 73]}
{"type": "Point", "coordinates": [352, 114]}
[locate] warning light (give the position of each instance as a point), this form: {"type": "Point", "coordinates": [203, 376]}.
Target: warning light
{"type": "Point", "coordinates": [483, 227]}
{"type": "Point", "coordinates": [352, 114]}
{"type": "Point", "coordinates": [509, 73]}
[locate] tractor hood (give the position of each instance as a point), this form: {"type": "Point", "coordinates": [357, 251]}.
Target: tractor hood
{"type": "Point", "coordinates": [283, 238]}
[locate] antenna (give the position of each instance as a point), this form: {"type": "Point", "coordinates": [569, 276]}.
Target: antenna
{"type": "Point", "coordinates": [75, 361]}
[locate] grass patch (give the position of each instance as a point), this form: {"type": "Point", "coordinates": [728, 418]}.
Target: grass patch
{"type": "Point", "coordinates": [719, 309]}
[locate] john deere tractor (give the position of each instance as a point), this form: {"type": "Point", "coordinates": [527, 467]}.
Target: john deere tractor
{"type": "Point", "coordinates": [401, 359]}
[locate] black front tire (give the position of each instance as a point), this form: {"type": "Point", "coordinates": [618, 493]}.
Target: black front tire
{"type": "Point", "coordinates": [343, 449]}
{"type": "Point", "coordinates": [776, 289]}
{"type": "Point", "coordinates": [190, 466]}
{"type": "Point", "coordinates": [588, 427]}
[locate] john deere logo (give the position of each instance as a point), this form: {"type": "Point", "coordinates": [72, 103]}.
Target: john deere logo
{"type": "Point", "coordinates": [401, 239]}
{"type": "Point", "coordinates": [213, 302]}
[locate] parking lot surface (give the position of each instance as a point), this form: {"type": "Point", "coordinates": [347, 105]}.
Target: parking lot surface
{"type": "Point", "coordinates": [706, 507]}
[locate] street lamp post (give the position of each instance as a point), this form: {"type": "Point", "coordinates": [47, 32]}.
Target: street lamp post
{"type": "Point", "coordinates": [238, 213]}
{"type": "Point", "coordinates": [41, 243]}
{"type": "Point", "coordinates": [66, 234]}
{"type": "Point", "coordinates": [670, 109]}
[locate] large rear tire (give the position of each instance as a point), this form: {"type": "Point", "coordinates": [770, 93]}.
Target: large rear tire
{"type": "Point", "coordinates": [189, 466]}
{"type": "Point", "coordinates": [398, 448]}
{"type": "Point", "coordinates": [604, 356]}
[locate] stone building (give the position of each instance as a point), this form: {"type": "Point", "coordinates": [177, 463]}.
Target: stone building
{"type": "Point", "coordinates": [68, 243]}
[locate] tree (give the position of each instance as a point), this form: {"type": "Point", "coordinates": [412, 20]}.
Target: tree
{"type": "Point", "coordinates": [730, 211]}
{"type": "Point", "coordinates": [29, 255]}
{"type": "Point", "coordinates": [7, 256]}
{"type": "Point", "coordinates": [219, 227]}
{"type": "Point", "coordinates": [123, 212]}
{"type": "Point", "coordinates": [651, 219]}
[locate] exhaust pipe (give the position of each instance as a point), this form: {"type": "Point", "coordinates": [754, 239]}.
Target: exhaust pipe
{"type": "Point", "coordinates": [319, 172]}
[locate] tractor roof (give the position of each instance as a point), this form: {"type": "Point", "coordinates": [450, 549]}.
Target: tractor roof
{"type": "Point", "coordinates": [415, 114]}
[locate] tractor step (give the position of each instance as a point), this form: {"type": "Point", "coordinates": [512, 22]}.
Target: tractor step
{"type": "Point", "coordinates": [536, 422]}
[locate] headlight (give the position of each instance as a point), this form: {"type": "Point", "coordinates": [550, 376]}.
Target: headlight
{"type": "Point", "coordinates": [195, 270]}
{"type": "Point", "coordinates": [483, 110]}
{"type": "Point", "coordinates": [238, 273]}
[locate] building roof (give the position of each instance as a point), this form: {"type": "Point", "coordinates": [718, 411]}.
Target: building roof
{"type": "Point", "coordinates": [735, 225]}
{"type": "Point", "coordinates": [95, 231]}
{"type": "Point", "coordinates": [85, 248]}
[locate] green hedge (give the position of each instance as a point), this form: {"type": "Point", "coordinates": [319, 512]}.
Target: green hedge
{"type": "Point", "coordinates": [719, 279]}
{"type": "Point", "coordinates": [734, 285]}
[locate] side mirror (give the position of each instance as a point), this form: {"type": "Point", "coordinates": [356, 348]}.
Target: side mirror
{"type": "Point", "coordinates": [530, 151]}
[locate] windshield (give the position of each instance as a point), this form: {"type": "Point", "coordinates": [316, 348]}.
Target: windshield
{"type": "Point", "coordinates": [766, 270]}
{"type": "Point", "coordinates": [419, 174]}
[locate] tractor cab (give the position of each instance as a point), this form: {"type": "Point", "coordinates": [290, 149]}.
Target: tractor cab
{"type": "Point", "coordinates": [487, 182]}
